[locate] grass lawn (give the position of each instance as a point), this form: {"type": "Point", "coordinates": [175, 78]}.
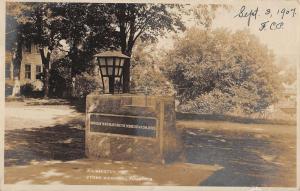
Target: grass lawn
{"type": "Point", "coordinates": [251, 154]}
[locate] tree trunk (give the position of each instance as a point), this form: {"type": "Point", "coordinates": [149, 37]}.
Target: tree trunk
{"type": "Point", "coordinates": [73, 55]}
{"type": "Point", "coordinates": [126, 72]}
{"type": "Point", "coordinates": [16, 68]}
{"type": "Point", "coordinates": [126, 68]}
{"type": "Point", "coordinates": [46, 82]}
{"type": "Point", "coordinates": [17, 59]}
{"type": "Point", "coordinates": [126, 76]}
{"type": "Point", "coordinates": [46, 64]}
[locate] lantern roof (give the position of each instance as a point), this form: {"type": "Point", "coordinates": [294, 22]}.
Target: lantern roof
{"type": "Point", "coordinates": [111, 54]}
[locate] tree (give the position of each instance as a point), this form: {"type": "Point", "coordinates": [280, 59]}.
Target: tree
{"type": "Point", "coordinates": [214, 66]}
{"type": "Point", "coordinates": [35, 24]}
{"type": "Point", "coordinates": [145, 21]}
{"type": "Point", "coordinates": [206, 13]}
{"type": "Point", "coordinates": [148, 21]}
{"type": "Point", "coordinates": [46, 33]}
{"type": "Point", "coordinates": [146, 74]}
{"type": "Point", "coordinates": [16, 33]}
{"type": "Point", "coordinates": [91, 27]}
{"type": "Point", "coordinates": [86, 29]}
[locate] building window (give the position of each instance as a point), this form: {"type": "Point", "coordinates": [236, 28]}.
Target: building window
{"type": "Point", "coordinates": [28, 71]}
{"type": "Point", "coordinates": [7, 71]}
{"type": "Point", "coordinates": [38, 72]}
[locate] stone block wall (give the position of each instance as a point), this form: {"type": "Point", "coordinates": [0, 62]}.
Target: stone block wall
{"type": "Point", "coordinates": [164, 147]}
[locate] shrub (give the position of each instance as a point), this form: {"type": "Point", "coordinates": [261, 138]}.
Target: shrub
{"type": "Point", "coordinates": [27, 90]}
{"type": "Point", "coordinates": [8, 89]}
{"type": "Point", "coordinates": [85, 84]}
{"type": "Point", "coordinates": [147, 73]}
{"type": "Point", "coordinates": [219, 66]}
{"type": "Point", "coordinates": [214, 102]}
{"type": "Point", "coordinates": [60, 78]}
{"type": "Point", "coordinates": [147, 77]}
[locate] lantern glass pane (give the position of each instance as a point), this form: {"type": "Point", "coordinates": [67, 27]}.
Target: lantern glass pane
{"type": "Point", "coordinates": [109, 61]}
{"type": "Point", "coordinates": [117, 61]}
{"type": "Point", "coordinates": [103, 70]}
{"type": "Point", "coordinates": [102, 61]}
{"type": "Point", "coordinates": [110, 66]}
{"type": "Point", "coordinates": [120, 71]}
{"type": "Point", "coordinates": [110, 71]}
{"type": "Point", "coordinates": [122, 62]}
{"type": "Point", "coordinates": [116, 71]}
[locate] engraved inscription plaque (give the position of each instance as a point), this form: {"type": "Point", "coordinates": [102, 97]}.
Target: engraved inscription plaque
{"type": "Point", "coordinates": [124, 125]}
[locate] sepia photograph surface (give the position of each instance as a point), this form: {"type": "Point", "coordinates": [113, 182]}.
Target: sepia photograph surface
{"type": "Point", "coordinates": [151, 94]}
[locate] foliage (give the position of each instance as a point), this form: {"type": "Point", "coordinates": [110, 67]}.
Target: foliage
{"type": "Point", "coordinates": [214, 102]}
{"type": "Point", "coordinates": [42, 28]}
{"type": "Point", "coordinates": [88, 28]}
{"type": "Point", "coordinates": [61, 81]}
{"type": "Point", "coordinates": [60, 77]}
{"type": "Point", "coordinates": [16, 32]}
{"type": "Point", "coordinates": [218, 65]}
{"type": "Point", "coordinates": [205, 13]}
{"type": "Point", "coordinates": [85, 84]}
{"type": "Point", "coordinates": [149, 79]}
{"type": "Point", "coordinates": [144, 21]}
{"type": "Point", "coordinates": [149, 21]}
{"type": "Point", "coordinates": [47, 24]}
{"type": "Point", "coordinates": [27, 89]}
{"type": "Point", "coordinates": [146, 73]}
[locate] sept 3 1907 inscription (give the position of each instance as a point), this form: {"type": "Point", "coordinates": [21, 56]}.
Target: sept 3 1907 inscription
{"type": "Point", "coordinates": [124, 125]}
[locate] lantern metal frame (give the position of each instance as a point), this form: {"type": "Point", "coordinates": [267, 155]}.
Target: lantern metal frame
{"type": "Point", "coordinates": [112, 62]}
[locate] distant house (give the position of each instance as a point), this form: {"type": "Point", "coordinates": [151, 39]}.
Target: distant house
{"type": "Point", "coordinates": [286, 107]}
{"type": "Point", "coordinates": [31, 67]}
{"type": "Point", "coordinates": [289, 102]}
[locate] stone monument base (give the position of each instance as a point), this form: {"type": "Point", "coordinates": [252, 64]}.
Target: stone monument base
{"type": "Point", "coordinates": [131, 127]}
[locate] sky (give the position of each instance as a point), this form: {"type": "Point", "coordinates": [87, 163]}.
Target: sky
{"type": "Point", "coordinates": [284, 41]}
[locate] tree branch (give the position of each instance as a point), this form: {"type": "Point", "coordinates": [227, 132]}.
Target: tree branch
{"type": "Point", "coordinates": [62, 49]}
{"type": "Point", "coordinates": [139, 33]}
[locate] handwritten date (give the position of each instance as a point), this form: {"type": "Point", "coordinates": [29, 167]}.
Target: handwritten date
{"type": "Point", "coordinates": [249, 14]}
{"type": "Point", "coordinates": [272, 19]}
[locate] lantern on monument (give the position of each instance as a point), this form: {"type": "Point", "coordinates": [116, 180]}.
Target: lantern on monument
{"type": "Point", "coordinates": [111, 65]}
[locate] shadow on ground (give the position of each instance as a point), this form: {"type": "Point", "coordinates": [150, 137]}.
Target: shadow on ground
{"type": "Point", "coordinates": [59, 142]}
{"type": "Point", "coordinates": [238, 154]}
{"type": "Point", "coordinates": [246, 159]}
{"type": "Point", "coordinates": [242, 166]}
{"type": "Point", "coordinates": [78, 104]}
